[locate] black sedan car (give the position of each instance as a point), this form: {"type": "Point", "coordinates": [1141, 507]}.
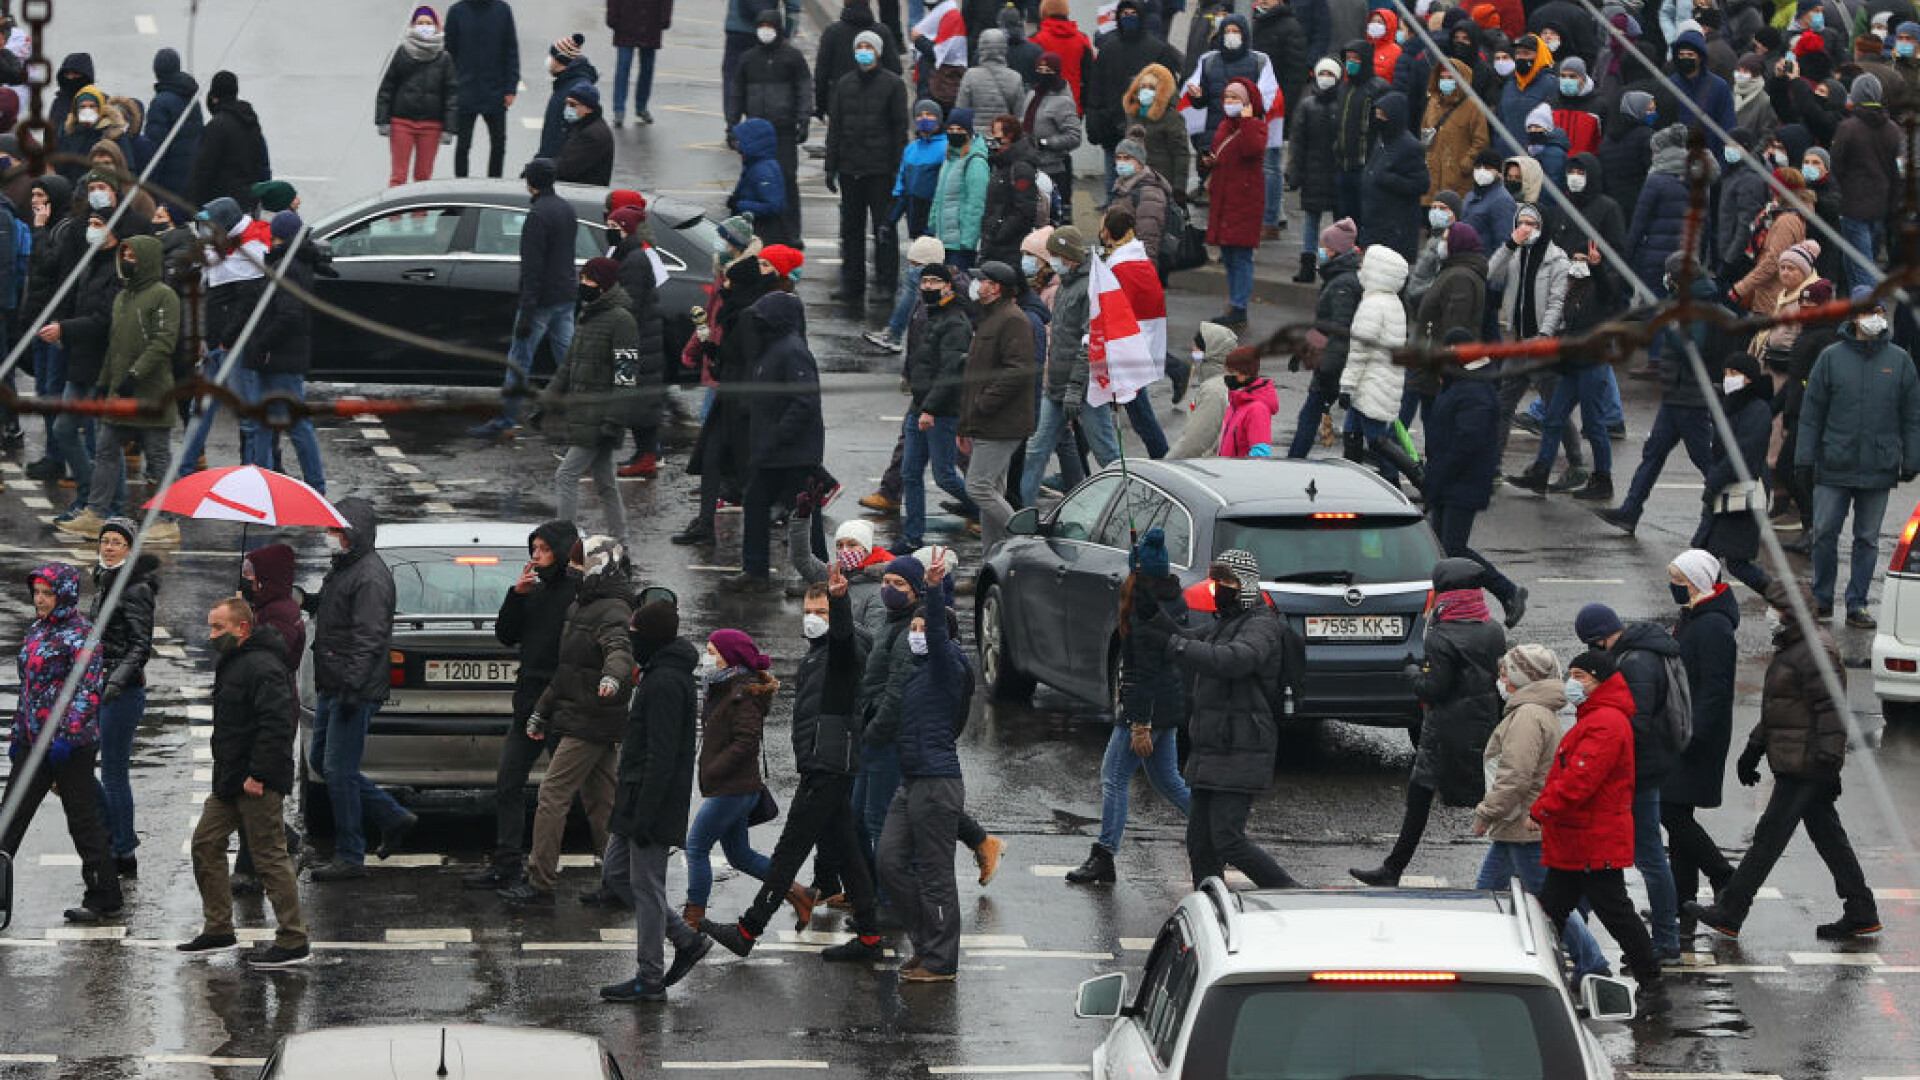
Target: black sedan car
{"type": "Point", "coordinates": [1344, 557]}
{"type": "Point", "coordinates": [442, 259]}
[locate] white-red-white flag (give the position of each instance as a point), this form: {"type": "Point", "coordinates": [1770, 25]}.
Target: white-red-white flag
{"type": "Point", "coordinates": [945, 27]}
{"type": "Point", "coordinates": [1140, 280]}
{"type": "Point", "coordinates": [1272, 100]}
{"type": "Point", "coordinates": [1120, 358]}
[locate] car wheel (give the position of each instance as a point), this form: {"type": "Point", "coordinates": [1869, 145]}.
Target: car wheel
{"type": "Point", "coordinates": [1004, 681]}
{"type": "Point", "coordinates": [1900, 712]}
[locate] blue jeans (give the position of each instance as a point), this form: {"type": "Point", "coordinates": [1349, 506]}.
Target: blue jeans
{"type": "Point", "coordinates": [1239, 264]}
{"type": "Point", "coordinates": [1310, 233]}
{"type": "Point", "coordinates": [642, 89]}
{"type": "Point", "coordinates": [1306, 427]}
{"type": "Point", "coordinates": [1865, 235]}
{"type": "Point", "coordinates": [1116, 777]}
{"type": "Point", "coordinates": [1096, 423]}
{"type": "Point", "coordinates": [258, 445]}
{"type": "Point", "coordinates": [1508, 859]}
{"type": "Point", "coordinates": [1147, 425]}
{"type": "Point", "coordinates": [339, 741]}
{"type": "Point", "coordinates": [903, 301]}
{"type": "Point", "coordinates": [73, 438]}
{"type": "Point", "coordinates": [201, 424]}
{"type": "Point", "coordinates": [920, 447]}
{"type": "Point", "coordinates": [49, 382]}
{"type": "Point", "coordinates": [722, 818]}
{"type": "Point", "coordinates": [1673, 425]}
{"type": "Point", "coordinates": [554, 322]}
{"type": "Point", "coordinates": [1650, 858]}
{"type": "Point", "coordinates": [118, 720]}
{"type": "Point", "coordinates": [873, 790]}
{"type": "Point", "coordinates": [1276, 187]}
{"type": "Point", "coordinates": [1612, 412]}
{"type": "Point", "coordinates": [1830, 506]}
{"type": "Point", "coordinates": [1585, 387]}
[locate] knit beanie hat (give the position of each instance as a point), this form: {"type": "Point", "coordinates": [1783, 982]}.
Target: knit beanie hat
{"type": "Point", "coordinates": [122, 525]}
{"type": "Point", "coordinates": [423, 10]}
{"type": "Point", "coordinates": [625, 197]}
{"type": "Point", "coordinates": [286, 225]}
{"type": "Point", "coordinates": [1454, 204]}
{"type": "Point", "coordinates": [1803, 254]}
{"type": "Point", "coordinates": [1541, 117]}
{"type": "Point", "coordinates": [275, 195]}
{"type": "Point", "coordinates": [586, 94]}
{"type": "Point", "coordinates": [1595, 663]}
{"type": "Point", "coordinates": [1524, 664]}
{"type": "Point", "coordinates": [1596, 622]}
{"type": "Point", "coordinates": [1150, 555]}
{"type": "Point", "coordinates": [602, 271]}
{"type": "Point", "coordinates": [926, 251]}
{"type": "Point", "coordinates": [1817, 291]}
{"type": "Point", "coordinates": [857, 530]}
{"type": "Point", "coordinates": [1131, 148]}
{"type": "Point", "coordinates": [567, 49]}
{"type": "Point", "coordinates": [1462, 237]}
{"type": "Point", "coordinates": [1341, 237]}
{"type": "Point", "coordinates": [912, 569]}
{"type": "Point", "coordinates": [628, 219]}
{"type": "Point", "coordinates": [784, 260]}
{"type": "Point", "coordinates": [1573, 65]}
{"type": "Point", "coordinates": [539, 173]}
{"type": "Point", "coordinates": [656, 623]}
{"type": "Point", "coordinates": [1247, 569]}
{"type": "Point", "coordinates": [1698, 567]}
{"type": "Point", "coordinates": [868, 38]}
{"type": "Point", "coordinates": [224, 213]}
{"type": "Point", "coordinates": [961, 117]}
{"type": "Point", "coordinates": [737, 231]}
{"type": "Point", "coordinates": [736, 649]}
{"type": "Point", "coordinates": [225, 86]}
{"type": "Point", "coordinates": [1826, 159]}
{"type": "Point", "coordinates": [929, 107]}
{"type": "Point", "coordinates": [1069, 243]}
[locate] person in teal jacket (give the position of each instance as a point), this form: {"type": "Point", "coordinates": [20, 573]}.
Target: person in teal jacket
{"type": "Point", "coordinates": [960, 198]}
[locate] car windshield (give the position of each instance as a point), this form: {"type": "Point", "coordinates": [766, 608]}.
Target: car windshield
{"type": "Point", "coordinates": [1333, 551]}
{"type": "Point", "coordinates": [1450, 1031]}
{"type": "Point", "coordinates": [452, 581]}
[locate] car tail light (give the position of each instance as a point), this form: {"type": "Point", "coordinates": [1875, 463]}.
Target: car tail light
{"type": "Point", "coordinates": [397, 674]}
{"type": "Point", "coordinates": [1904, 667]}
{"type": "Point", "coordinates": [1905, 546]}
{"type": "Point", "coordinates": [1385, 976]}
{"type": "Point", "coordinates": [1329, 515]}
{"type": "Point", "coordinates": [477, 560]}
{"type": "Point", "coordinates": [1432, 595]}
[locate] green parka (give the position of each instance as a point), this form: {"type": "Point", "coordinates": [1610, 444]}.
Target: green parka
{"type": "Point", "coordinates": [143, 334]}
{"type": "Point", "coordinates": [595, 388]}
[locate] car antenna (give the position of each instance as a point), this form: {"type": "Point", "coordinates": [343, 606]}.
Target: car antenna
{"type": "Point", "coordinates": [442, 1070]}
{"type": "Point", "coordinates": [1313, 492]}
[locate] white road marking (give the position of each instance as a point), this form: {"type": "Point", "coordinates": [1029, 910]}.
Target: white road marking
{"type": "Point", "coordinates": [27, 943]}
{"type": "Point", "coordinates": [404, 468]}
{"type": "Point", "coordinates": [1843, 959]}
{"type": "Point", "coordinates": [30, 1059]}
{"type": "Point", "coordinates": [574, 946]}
{"type": "Point", "coordinates": [532, 123]}
{"type": "Point", "coordinates": [378, 946]}
{"type": "Point", "coordinates": [1008, 1070]}
{"type": "Point", "coordinates": [1896, 894]}
{"type": "Point", "coordinates": [1136, 944]}
{"type": "Point", "coordinates": [59, 860]}
{"type": "Point", "coordinates": [85, 933]}
{"type": "Point", "coordinates": [437, 507]}
{"type": "Point", "coordinates": [447, 935]}
{"type": "Point", "coordinates": [389, 452]}
{"type": "Point", "coordinates": [1419, 881]}
{"type": "Point", "coordinates": [1049, 871]}
{"type": "Point", "coordinates": [374, 431]}
{"type": "Point", "coordinates": [715, 569]}
{"type": "Point", "coordinates": [36, 502]}
{"type": "Point", "coordinates": [203, 776]}
{"type": "Point", "coordinates": [1036, 954]}
{"type": "Point", "coordinates": [203, 1059]}
{"type": "Point", "coordinates": [407, 862]}
{"type": "Point", "coordinates": [577, 862]}
{"type": "Point", "coordinates": [1701, 1076]}
{"type": "Point", "coordinates": [423, 487]}
{"type": "Point", "coordinates": [146, 24]}
{"type": "Point", "coordinates": [753, 1063]}
{"type": "Point", "coordinates": [199, 712]}
{"type": "Point", "coordinates": [1579, 581]}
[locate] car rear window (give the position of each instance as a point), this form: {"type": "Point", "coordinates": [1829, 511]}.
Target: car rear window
{"type": "Point", "coordinates": [452, 581]}
{"type": "Point", "coordinates": [1374, 550]}
{"type": "Point", "coordinates": [1450, 1031]}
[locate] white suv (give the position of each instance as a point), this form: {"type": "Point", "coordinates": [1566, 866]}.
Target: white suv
{"type": "Point", "coordinates": [1896, 644]}
{"type": "Point", "coordinates": [1311, 984]}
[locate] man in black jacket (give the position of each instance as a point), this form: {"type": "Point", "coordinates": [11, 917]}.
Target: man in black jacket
{"type": "Point", "coordinates": [486, 53]}
{"type": "Point", "coordinates": [232, 156]}
{"type": "Point", "coordinates": [549, 285]}
{"type": "Point", "coordinates": [789, 436]}
{"type": "Point", "coordinates": [530, 619]}
{"type": "Point", "coordinates": [834, 57]}
{"type": "Point", "coordinates": [254, 716]}
{"type": "Point", "coordinates": [285, 337]}
{"type": "Point", "coordinates": [654, 785]}
{"type": "Point", "coordinates": [80, 328]}
{"type": "Point", "coordinates": [586, 154]}
{"type": "Point", "coordinates": [866, 135]}
{"type": "Point", "coordinates": [126, 643]}
{"type": "Point", "coordinates": [774, 84]}
{"type": "Point", "coordinates": [352, 639]}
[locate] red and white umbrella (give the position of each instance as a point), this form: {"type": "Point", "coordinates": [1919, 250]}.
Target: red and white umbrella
{"type": "Point", "coordinates": [250, 495]}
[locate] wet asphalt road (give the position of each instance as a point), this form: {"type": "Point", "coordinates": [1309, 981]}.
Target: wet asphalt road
{"type": "Point", "coordinates": [409, 944]}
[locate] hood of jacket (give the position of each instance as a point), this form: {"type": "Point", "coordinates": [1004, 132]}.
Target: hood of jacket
{"type": "Point", "coordinates": [175, 81]}
{"type": "Point", "coordinates": [146, 262]}
{"type": "Point", "coordinates": [1695, 40]}
{"type": "Point", "coordinates": [1452, 575]}
{"type": "Point", "coordinates": [1532, 176]}
{"type": "Point", "coordinates": [1449, 68]}
{"type": "Point", "coordinates": [678, 654]}
{"type": "Point", "coordinates": [77, 62]}
{"type": "Point", "coordinates": [1165, 93]}
{"type": "Point", "coordinates": [263, 639]}
{"type": "Point", "coordinates": [560, 537]}
{"type": "Point", "coordinates": [858, 14]}
{"type": "Point", "coordinates": [1255, 104]}
{"type": "Point", "coordinates": [1382, 270]}
{"type": "Point", "coordinates": [363, 525]}
{"type": "Point", "coordinates": [991, 48]}
{"type": "Point", "coordinates": [1669, 147]}
{"type": "Point", "coordinates": [1645, 637]}
{"type": "Point", "coordinates": [1258, 392]}
{"type": "Point", "coordinates": [273, 567]}
{"type": "Point", "coordinates": [59, 195]}
{"type": "Point", "coordinates": [1542, 61]}
{"type": "Point", "coordinates": [1549, 694]}
{"type": "Point", "coordinates": [1596, 177]}
{"type": "Point", "coordinates": [1364, 49]}
{"type": "Point", "coordinates": [1013, 24]}
{"type": "Point", "coordinates": [1393, 106]}
{"type": "Point", "coordinates": [756, 139]}
{"type": "Point", "coordinates": [1475, 261]}
{"type": "Point", "coordinates": [66, 587]}
{"type": "Point", "coordinates": [1235, 21]}
{"type": "Point", "coordinates": [1217, 341]}
{"type": "Point", "coordinates": [781, 311]}
{"type": "Point", "coordinates": [241, 111]}
{"type": "Point", "coordinates": [1610, 694]}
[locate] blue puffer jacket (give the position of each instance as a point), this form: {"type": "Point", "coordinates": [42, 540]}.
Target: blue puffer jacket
{"type": "Point", "coordinates": [761, 190]}
{"type": "Point", "coordinates": [1659, 225]}
{"type": "Point", "coordinates": [933, 703]}
{"type": "Point", "coordinates": [920, 167]}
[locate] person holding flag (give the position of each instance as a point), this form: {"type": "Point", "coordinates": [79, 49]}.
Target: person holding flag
{"type": "Point", "coordinates": [940, 42]}
{"type": "Point", "coordinates": [1067, 382]}
{"type": "Point", "coordinates": [1122, 357]}
{"type": "Point", "coordinates": [1139, 278]}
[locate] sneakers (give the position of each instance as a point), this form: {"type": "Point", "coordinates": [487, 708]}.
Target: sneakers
{"type": "Point", "coordinates": [391, 839]}
{"type": "Point", "coordinates": [1618, 518]}
{"type": "Point", "coordinates": [337, 870]}
{"type": "Point", "coordinates": [1599, 488]}
{"type": "Point", "coordinates": [45, 469]}
{"type": "Point", "coordinates": [685, 958]}
{"type": "Point", "coordinates": [643, 116]}
{"type": "Point", "coordinates": [497, 428]}
{"type": "Point", "coordinates": [1711, 917]}
{"type": "Point", "coordinates": [987, 857]}
{"type": "Point", "coordinates": [85, 524]}
{"type": "Point", "coordinates": [164, 531]}
{"type": "Point", "coordinates": [1526, 422]}
{"type": "Point", "coordinates": [1097, 870]}
{"type": "Point", "coordinates": [855, 950]}
{"type": "Point", "coordinates": [633, 992]}
{"type": "Point", "coordinates": [884, 339]}
{"type": "Point", "coordinates": [880, 503]}
{"type": "Point", "coordinates": [1380, 877]}
{"type": "Point", "coordinates": [279, 956]}
{"type": "Point", "coordinates": [91, 916]}
{"type": "Point", "coordinates": [732, 935]}
{"type": "Point", "coordinates": [1847, 927]}
{"type": "Point", "coordinates": [1573, 479]}
{"type": "Point", "coordinates": [644, 467]}
{"type": "Point", "coordinates": [526, 895]}
{"type": "Point", "coordinates": [209, 943]}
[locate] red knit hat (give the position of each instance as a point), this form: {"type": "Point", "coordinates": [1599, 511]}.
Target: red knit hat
{"type": "Point", "coordinates": [736, 649]}
{"type": "Point", "coordinates": [627, 218]}
{"type": "Point", "coordinates": [783, 259]}
{"type": "Point", "coordinates": [625, 197]}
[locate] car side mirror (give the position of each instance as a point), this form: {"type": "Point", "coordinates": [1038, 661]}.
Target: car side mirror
{"type": "Point", "coordinates": [1607, 998]}
{"type": "Point", "coordinates": [1024, 522]}
{"type": "Point", "coordinates": [6, 890]}
{"type": "Point", "coordinates": [1101, 997]}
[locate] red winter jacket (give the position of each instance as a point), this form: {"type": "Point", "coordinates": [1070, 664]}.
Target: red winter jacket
{"type": "Point", "coordinates": [1237, 187]}
{"type": "Point", "coordinates": [1063, 39]}
{"type": "Point", "coordinates": [1585, 810]}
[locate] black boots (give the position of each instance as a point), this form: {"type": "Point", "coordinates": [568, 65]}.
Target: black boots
{"type": "Point", "coordinates": [1309, 268]}
{"type": "Point", "coordinates": [1535, 479]}
{"type": "Point", "coordinates": [1599, 488]}
{"type": "Point", "coordinates": [1384, 876]}
{"type": "Point", "coordinates": [1097, 870]}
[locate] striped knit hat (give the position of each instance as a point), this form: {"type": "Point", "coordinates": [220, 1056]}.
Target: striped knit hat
{"type": "Point", "coordinates": [567, 49]}
{"type": "Point", "coordinates": [1803, 254]}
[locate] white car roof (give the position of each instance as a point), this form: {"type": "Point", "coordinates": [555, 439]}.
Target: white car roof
{"type": "Point", "coordinates": [487, 534]}
{"type": "Point", "coordinates": [410, 1051]}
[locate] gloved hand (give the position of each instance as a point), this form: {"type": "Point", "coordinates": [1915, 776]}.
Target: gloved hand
{"type": "Point", "coordinates": [384, 129]}
{"type": "Point", "coordinates": [111, 691]}
{"type": "Point", "coordinates": [59, 752]}
{"type": "Point", "coordinates": [609, 686]}
{"type": "Point", "coordinates": [1293, 362]}
{"type": "Point", "coordinates": [125, 388]}
{"type": "Point", "coordinates": [446, 138]}
{"type": "Point", "coordinates": [1345, 400]}
{"type": "Point", "coordinates": [833, 183]}
{"type": "Point", "coordinates": [803, 506]}
{"type": "Point", "coordinates": [1748, 767]}
{"type": "Point", "coordinates": [522, 327]}
{"type": "Point", "coordinates": [536, 726]}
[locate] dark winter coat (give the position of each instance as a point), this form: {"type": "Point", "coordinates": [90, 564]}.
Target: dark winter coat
{"type": "Point", "coordinates": [1122, 56]}
{"type": "Point", "coordinates": [731, 730]}
{"type": "Point", "coordinates": [532, 622]}
{"type": "Point", "coordinates": [173, 93]}
{"type": "Point", "coordinates": [1393, 182]}
{"type": "Point", "coordinates": [588, 400]}
{"type": "Point", "coordinates": [1625, 152]}
{"type": "Point", "coordinates": [827, 720]}
{"type": "Point", "coordinates": [833, 61]}
{"type": "Point", "coordinates": [1339, 298]}
{"type": "Point", "coordinates": [486, 51]}
{"type": "Point", "coordinates": [547, 272]}
{"type": "Point", "coordinates": [423, 90]}
{"type": "Point", "coordinates": [1067, 365]}
{"type": "Point", "coordinates": [1743, 194]}
{"type": "Point", "coordinates": [934, 700]}
{"type": "Point", "coordinates": [1736, 535]}
{"type": "Point", "coordinates": [1354, 96]}
{"type": "Point", "coordinates": [1860, 418]}
{"type": "Point", "coordinates": [638, 24]}
{"type": "Point", "coordinates": [654, 780]}
{"type": "Point", "coordinates": [1232, 733]}
{"type": "Point", "coordinates": [1641, 656]}
{"type": "Point", "coordinates": [554, 128]}
{"type": "Point", "coordinates": [788, 430]}
{"type": "Point", "coordinates": [774, 84]}
{"type": "Point", "coordinates": [586, 155]}
{"type": "Point", "coordinates": [1659, 225]}
{"type": "Point", "coordinates": [1237, 187]}
{"type": "Point", "coordinates": [593, 645]}
{"type": "Point", "coordinates": [127, 641]}
{"type": "Point", "coordinates": [1457, 299]}
{"type": "Point", "coordinates": [762, 187]}
{"type": "Point", "coordinates": [232, 156]}
{"type": "Point", "coordinates": [1490, 211]}
{"type": "Point", "coordinates": [1455, 685]}
{"type": "Point", "coordinates": [1800, 729]}
{"type": "Point", "coordinates": [1865, 150]}
{"type": "Point", "coordinates": [1311, 164]}
{"type": "Point", "coordinates": [1152, 690]}
{"type": "Point", "coordinates": [1712, 657]}
{"type": "Point", "coordinates": [1218, 68]}
{"type": "Point", "coordinates": [1011, 206]}
{"type": "Point", "coordinates": [997, 400]}
{"type": "Point", "coordinates": [144, 334]}
{"type": "Point", "coordinates": [937, 364]}
{"type": "Point", "coordinates": [1609, 221]}
{"type": "Point", "coordinates": [284, 340]}
{"type": "Point", "coordinates": [869, 129]}
{"type": "Point", "coordinates": [1463, 452]}
{"type": "Point", "coordinates": [1279, 33]}
{"type": "Point", "coordinates": [353, 614]}
{"type": "Point", "coordinates": [255, 713]}
{"type": "Point", "coordinates": [643, 301]}
{"type": "Point", "coordinates": [86, 316]}
{"type": "Point", "coordinates": [273, 601]}
{"type": "Point", "coordinates": [1585, 810]}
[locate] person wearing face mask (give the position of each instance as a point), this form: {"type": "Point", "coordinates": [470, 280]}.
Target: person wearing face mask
{"type": "Point", "coordinates": [255, 713]}
{"type": "Point", "coordinates": [761, 191]}
{"type": "Point", "coordinates": [74, 74]}
{"type": "Point", "coordinates": [914, 186]}
{"type": "Point", "coordinates": [1743, 193]}
{"type": "Point", "coordinates": [568, 66]}
{"type": "Point", "coordinates": [232, 156]}
{"type": "Point", "coordinates": [1340, 295]}
{"type": "Point", "coordinates": [638, 26]}
{"type": "Point", "coordinates": [1353, 136]}
{"type": "Point", "coordinates": [417, 106]}
{"type": "Point", "coordinates": [1577, 107]}
{"type": "Point", "coordinates": [79, 329]}
{"type": "Point", "coordinates": [1394, 181]}
{"type": "Point", "coordinates": [585, 402]}
{"type": "Point", "coordinates": [1531, 83]}
{"type": "Point", "coordinates": [1237, 666]}
{"type": "Point", "coordinates": [1014, 202]}
{"type": "Point", "coordinates": [92, 119]}
{"type": "Point", "coordinates": [1708, 92]}
{"type": "Point", "coordinates": [1153, 119]}
{"type": "Point", "coordinates": [1206, 410]}
{"type": "Point", "coordinates": [1380, 28]}
{"type": "Point", "coordinates": [1777, 239]}
{"type": "Point", "coordinates": [1122, 55]}
{"type": "Point", "coordinates": [960, 196]}
{"type": "Point", "coordinates": [1658, 224]}
{"type": "Point", "coordinates": [1252, 402]}
{"type": "Point", "coordinates": [1519, 754]}
{"type": "Point", "coordinates": [1709, 615]}
{"type": "Point", "coordinates": [1585, 814]}
{"type": "Point", "coordinates": [1752, 105]}
{"type": "Point", "coordinates": [1803, 738]}
{"type": "Point", "coordinates": [934, 368]}
{"type": "Point", "coordinates": [1626, 149]}
{"type": "Point", "coordinates": [1488, 206]}
{"type": "Point", "coordinates": [997, 410]}
{"type": "Point", "coordinates": [126, 643]}
{"type": "Point", "coordinates": [586, 156]}
{"type": "Point", "coordinates": [1865, 149]}
{"type": "Point", "coordinates": [1048, 116]}
{"type": "Point", "coordinates": [1727, 528]}
{"type": "Point", "coordinates": [840, 49]}
{"type": "Point", "coordinates": [774, 84]}
{"type": "Point", "coordinates": [1236, 187]}
{"type": "Point", "coordinates": [862, 561]}
{"type": "Point", "coordinates": [1453, 131]}
{"type": "Point", "coordinates": [1312, 161]}
{"type": "Point", "coordinates": [786, 432]}
{"type": "Point", "coordinates": [868, 109]}
{"type": "Point", "coordinates": [1060, 36]}
{"type": "Point", "coordinates": [1454, 684]}
{"type": "Point", "coordinates": [1859, 434]}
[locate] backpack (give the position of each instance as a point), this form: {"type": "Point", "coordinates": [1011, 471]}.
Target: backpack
{"type": "Point", "coordinates": [1676, 706]}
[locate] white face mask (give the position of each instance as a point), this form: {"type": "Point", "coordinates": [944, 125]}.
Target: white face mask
{"type": "Point", "coordinates": [1505, 690]}
{"type": "Point", "coordinates": [1440, 249]}
{"type": "Point", "coordinates": [1576, 691]}
{"type": "Point", "coordinates": [766, 34]}
{"type": "Point", "coordinates": [1733, 384]}
{"type": "Point", "coordinates": [1230, 41]}
{"type": "Point", "coordinates": [1438, 217]}
{"type": "Point", "coordinates": [96, 235]}
{"type": "Point", "coordinates": [99, 200]}
{"type": "Point", "coordinates": [89, 117]}
{"type": "Point", "coordinates": [1576, 182]}
{"type": "Point", "coordinates": [1873, 325]}
{"type": "Point", "coordinates": [1325, 82]}
{"type": "Point", "coordinates": [1483, 177]}
{"type": "Point", "coordinates": [424, 30]}
{"type": "Point", "coordinates": [1503, 68]}
{"type": "Point", "coordinates": [570, 114]}
{"type": "Point", "coordinates": [1742, 78]}
{"type": "Point", "coordinates": [1578, 269]}
{"type": "Point", "coordinates": [1232, 108]}
{"type": "Point", "coordinates": [708, 664]}
{"type": "Point", "coordinates": [1376, 31]}
{"type": "Point", "coordinates": [813, 626]}
{"type": "Point", "coordinates": [1199, 356]}
{"type": "Point", "coordinates": [917, 642]}
{"type": "Point", "coordinates": [973, 290]}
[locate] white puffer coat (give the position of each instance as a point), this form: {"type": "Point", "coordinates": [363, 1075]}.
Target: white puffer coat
{"type": "Point", "coordinates": [1371, 379]}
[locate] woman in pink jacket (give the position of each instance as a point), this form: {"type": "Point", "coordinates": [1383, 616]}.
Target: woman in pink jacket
{"type": "Point", "coordinates": [1251, 403]}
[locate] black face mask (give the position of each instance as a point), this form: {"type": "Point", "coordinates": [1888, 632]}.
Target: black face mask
{"type": "Point", "coordinates": [932, 297]}
{"type": "Point", "coordinates": [1680, 594]}
{"type": "Point", "coordinates": [958, 141]}
{"type": "Point", "coordinates": [1463, 50]}
{"type": "Point", "coordinates": [590, 293]}
{"type": "Point", "coordinates": [1226, 599]}
{"type": "Point", "coordinates": [123, 268]}
{"type": "Point", "coordinates": [1513, 188]}
{"type": "Point", "coordinates": [1687, 65]}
